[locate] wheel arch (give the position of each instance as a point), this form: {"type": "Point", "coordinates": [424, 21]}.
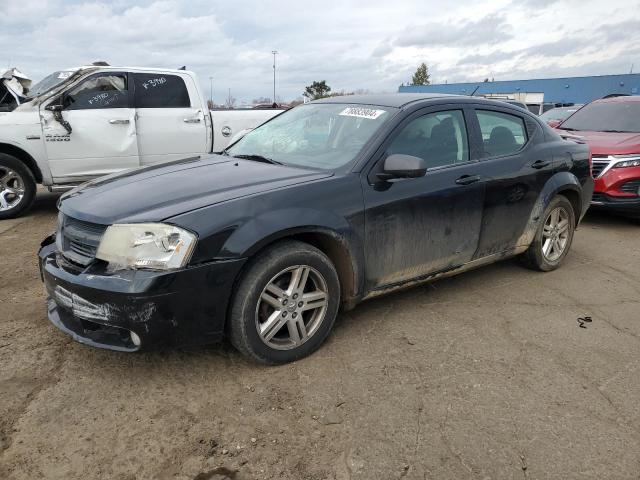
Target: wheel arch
{"type": "Point", "coordinates": [568, 185]}
{"type": "Point", "coordinates": [574, 198]}
{"type": "Point", "coordinates": [24, 157]}
{"type": "Point", "coordinates": [333, 244]}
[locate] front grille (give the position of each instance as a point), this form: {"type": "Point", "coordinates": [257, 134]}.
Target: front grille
{"type": "Point", "coordinates": [79, 239]}
{"type": "Point", "coordinates": [599, 163]}
{"type": "Point", "coordinates": [81, 249]}
{"type": "Point", "coordinates": [598, 197]}
{"type": "Point", "coordinates": [631, 187]}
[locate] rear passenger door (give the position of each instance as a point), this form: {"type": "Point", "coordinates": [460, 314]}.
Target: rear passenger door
{"type": "Point", "coordinates": [170, 122]}
{"type": "Point", "coordinates": [516, 164]}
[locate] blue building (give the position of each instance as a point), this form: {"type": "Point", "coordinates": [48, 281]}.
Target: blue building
{"type": "Point", "coordinates": [568, 90]}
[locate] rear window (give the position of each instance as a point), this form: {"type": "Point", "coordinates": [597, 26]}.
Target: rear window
{"type": "Point", "coordinates": [502, 133]}
{"type": "Point", "coordinates": [606, 117]}
{"type": "Point", "coordinates": [155, 90]}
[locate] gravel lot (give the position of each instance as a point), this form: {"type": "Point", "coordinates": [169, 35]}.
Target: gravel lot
{"type": "Point", "coordinates": [486, 375]}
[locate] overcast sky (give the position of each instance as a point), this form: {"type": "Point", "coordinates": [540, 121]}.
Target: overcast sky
{"type": "Point", "coordinates": [373, 45]}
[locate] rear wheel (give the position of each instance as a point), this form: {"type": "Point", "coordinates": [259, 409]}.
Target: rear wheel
{"type": "Point", "coordinates": [553, 237]}
{"type": "Point", "coordinates": [285, 304]}
{"type": "Point", "coordinates": [17, 187]}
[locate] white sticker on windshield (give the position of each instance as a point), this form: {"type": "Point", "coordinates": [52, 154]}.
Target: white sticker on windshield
{"type": "Point", "coordinates": [64, 75]}
{"type": "Point", "coordinates": [361, 112]}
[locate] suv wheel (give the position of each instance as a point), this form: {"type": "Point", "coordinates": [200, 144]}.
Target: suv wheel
{"type": "Point", "coordinates": [17, 187]}
{"type": "Point", "coordinates": [285, 303]}
{"type": "Point", "coordinates": [553, 237]}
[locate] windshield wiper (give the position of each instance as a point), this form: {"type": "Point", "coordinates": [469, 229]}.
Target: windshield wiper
{"type": "Point", "coordinates": [569, 129]}
{"type": "Point", "coordinates": [258, 158]}
{"type": "Point", "coordinates": [616, 131]}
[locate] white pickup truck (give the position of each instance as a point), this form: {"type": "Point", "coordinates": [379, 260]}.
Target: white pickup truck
{"type": "Point", "coordinates": [86, 122]}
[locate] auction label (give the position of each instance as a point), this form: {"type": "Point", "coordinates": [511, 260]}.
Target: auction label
{"type": "Point", "coordinates": [361, 112]}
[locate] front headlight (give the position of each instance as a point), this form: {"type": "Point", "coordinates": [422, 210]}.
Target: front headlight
{"type": "Point", "coordinates": [627, 161]}
{"type": "Point", "coordinates": [154, 246]}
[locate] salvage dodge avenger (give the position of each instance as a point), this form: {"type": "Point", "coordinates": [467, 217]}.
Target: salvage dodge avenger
{"type": "Point", "coordinates": [323, 206]}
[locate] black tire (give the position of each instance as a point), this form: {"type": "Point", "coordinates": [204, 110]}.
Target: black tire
{"type": "Point", "coordinates": [24, 177]}
{"type": "Point", "coordinates": [534, 257]}
{"type": "Point", "coordinates": [248, 307]}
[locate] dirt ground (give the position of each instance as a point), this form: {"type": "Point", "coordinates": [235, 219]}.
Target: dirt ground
{"type": "Point", "coordinates": [486, 375]}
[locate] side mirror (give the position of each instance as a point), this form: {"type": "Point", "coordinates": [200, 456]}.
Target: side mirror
{"type": "Point", "coordinates": [403, 166]}
{"type": "Point", "coordinates": [53, 108]}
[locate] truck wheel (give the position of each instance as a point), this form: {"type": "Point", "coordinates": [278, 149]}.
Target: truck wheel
{"type": "Point", "coordinates": [17, 187]}
{"type": "Point", "coordinates": [553, 238]}
{"type": "Point", "coordinates": [285, 304]}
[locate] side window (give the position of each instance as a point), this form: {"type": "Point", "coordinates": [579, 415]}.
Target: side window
{"type": "Point", "coordinates": [99, 91]}
{"type": "Point", "coordinates": [438, 138]}
{"type": "Point", "coordinates": [157, 90]}
{"type": "Point", "coordinates": [502, 133]}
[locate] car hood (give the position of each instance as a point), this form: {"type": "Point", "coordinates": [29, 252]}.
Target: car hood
{"type": "Point", "coordinates": [609, 143]}
{"type": "Point", "coordinates": [159, 192]}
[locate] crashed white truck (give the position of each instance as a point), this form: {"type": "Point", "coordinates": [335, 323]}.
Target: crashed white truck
{"type": "Point", "coordinates": [82, 123]}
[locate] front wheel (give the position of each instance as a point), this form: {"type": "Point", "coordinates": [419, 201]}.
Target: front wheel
{"type": "Point", "coordinates": [553, 237]}
{"type": "Point", "coordinates": [17, 187]}
{"type": "Point", "coordinates": [285, 303]}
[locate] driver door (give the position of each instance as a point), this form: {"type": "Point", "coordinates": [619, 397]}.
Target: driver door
{"type": "Point", "coordinates": [415, 227]}
{"type": "Point", "coordinates": [103, 137]}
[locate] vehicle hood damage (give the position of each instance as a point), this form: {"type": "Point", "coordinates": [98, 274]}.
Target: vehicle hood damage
{"type": "Point", "coordinates": [13, 89]}
{"type": "Point", "coordinates": [159, 192]}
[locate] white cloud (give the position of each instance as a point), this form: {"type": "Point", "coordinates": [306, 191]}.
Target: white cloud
{"type": "Point", "coordinates": [352, 45]}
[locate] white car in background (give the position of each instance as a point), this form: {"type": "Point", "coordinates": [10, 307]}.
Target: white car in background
{"type": "Point", "coordinates": [86, 122]}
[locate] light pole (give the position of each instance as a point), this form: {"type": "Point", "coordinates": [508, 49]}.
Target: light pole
{"type": "Point", "coordinates": [211, 90]}
{"type": "Point", "coordinates": [274, 53]}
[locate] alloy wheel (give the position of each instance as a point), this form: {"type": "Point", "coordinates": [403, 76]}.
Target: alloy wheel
{"type": "Point", "coordinates": [11, 189]}
{"type": "Point", "coordinates": [555, 234]}
{"type": "Point", "coordinates": [291, 307]}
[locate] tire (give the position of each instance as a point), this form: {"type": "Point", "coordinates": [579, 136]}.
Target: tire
{"type": "Point", "coordinates": [17, 187]}
{"type": "Point", "coordinates": [545, 256]}
{"type": "Point", "coordinates": [267, 295]}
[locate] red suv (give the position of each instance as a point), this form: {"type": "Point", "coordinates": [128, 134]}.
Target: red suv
{"type": "Point", "coordinates": [611, 128]}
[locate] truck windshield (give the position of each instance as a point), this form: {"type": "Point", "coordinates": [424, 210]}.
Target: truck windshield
{"type": "Point", "coordinates": [614, 116]}
{"type": "Point", "coordinates": [316, 135]}
{"type": "Point", "coordinates": [49, 82]}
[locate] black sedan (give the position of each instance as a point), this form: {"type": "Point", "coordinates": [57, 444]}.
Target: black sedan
{"type": "Point", "coordinates": [325, 205]}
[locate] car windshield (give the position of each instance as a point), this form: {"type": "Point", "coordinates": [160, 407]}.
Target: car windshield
{"type": "Point", "coordinates": [558, 113]}
{"type": "Point", "coordinates": [614, 116]}
{"type": "Point", "coordinates": [49, 82]}
{"type": "Point", "coordinates": [316, 135]}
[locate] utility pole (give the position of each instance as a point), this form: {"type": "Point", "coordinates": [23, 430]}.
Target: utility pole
{"type": "Point", "coordinates": [274, 53]}
{"type": "Point", "coordinates": [211, 90]}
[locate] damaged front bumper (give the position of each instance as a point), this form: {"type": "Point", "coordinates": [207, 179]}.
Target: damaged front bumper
{"type": "Point", "coordinates": [131, 310]}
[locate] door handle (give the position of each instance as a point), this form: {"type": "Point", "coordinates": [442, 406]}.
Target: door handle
{"type": "Point", "coordinates": [191, 120]}
{"type": "Point", "coordinates": [119, 121]}
{"type": "Point", "coordinates": [540, 164]}
{"type": "Point", "coordinates": [468, 179]}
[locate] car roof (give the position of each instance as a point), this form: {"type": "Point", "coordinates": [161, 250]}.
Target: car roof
{"type": "Point", "coordinates": [396, 100]}
{"type": "Point", "coordinates": [400, 100]}
{"type": "Point", "coordinates": [135, 69]}
{"type": "Point", "coordinates": [620, 99]}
